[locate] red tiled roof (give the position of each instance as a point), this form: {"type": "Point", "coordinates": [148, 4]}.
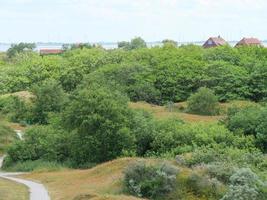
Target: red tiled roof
{"type": "Point", "coordinates": [50, 51]}
{"type": "Point", "coordinates": [249, 41]}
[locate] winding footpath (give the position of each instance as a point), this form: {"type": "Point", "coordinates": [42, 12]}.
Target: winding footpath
{"type": "Point", "coordinates": [37, 190]}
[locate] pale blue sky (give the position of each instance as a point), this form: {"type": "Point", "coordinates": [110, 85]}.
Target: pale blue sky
{"type": "Point", "coordinates": [115, 20]}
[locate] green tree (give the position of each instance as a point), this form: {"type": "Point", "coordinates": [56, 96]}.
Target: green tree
{"type": "Point", "coordinates": [49, 97]}
{"type": "Point", "coordinates": [261, 137]}
{"type": "Point", "coordinates": [136, 43]}
{"type": "Point", "coordinates": [168, 42]}
{"type": "Point", "coordinates": [19, 48]}
{"type": "Point", "coordinates": [204, 102]}
{"type": "Point", "coordinates": [124, 45]}
{"type": "Point", "coordinates": [100, 122]}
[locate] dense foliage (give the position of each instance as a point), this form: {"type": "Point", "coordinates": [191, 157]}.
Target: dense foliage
{"type": "Point", "coordinates": [77, 109]}
{"type": "Point", "coordinates": [157, 75]}
{"type": "Point", "coordinates": [250, 121]}
{"type": "Point", "coordinates": [203, 102]}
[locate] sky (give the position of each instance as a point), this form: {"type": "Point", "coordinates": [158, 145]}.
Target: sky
{"type": "Point", "coordinates": [117, 20]}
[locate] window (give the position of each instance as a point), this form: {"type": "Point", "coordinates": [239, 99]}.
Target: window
{"type": "Point", "coordinates": [210, 42]}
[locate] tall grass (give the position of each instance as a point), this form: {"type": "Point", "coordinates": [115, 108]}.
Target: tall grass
{"type": "Point", "coordinates": [36, 166]}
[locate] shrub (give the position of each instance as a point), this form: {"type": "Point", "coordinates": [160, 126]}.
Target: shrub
{"type": "Point", "coordinates": [250, 121]}
{"type": "Point", "coordinates": [176, 137]}
{"type": "Point", "coordinates": [221, 170]}
{"type": "Point", "coordinates": [203, 102]}
{"type": "Point", "coordinates": [7, 136]}
{"type": "Point", "coordinates": [205, 186]}
{"type": "Point", "coordinates": [37, 165]}
{"type": "Point", "coordinates": [40, 142]}
{"type": "Point", "coordinates": [237, 157]}
{"type": "Point", "coordinates": [261, 137]}
{"type": "Point", "coordinates": [244, 186]}
{"type": "Point", "coordinates": [150, 181]}
{"type": "Point", "coordinates": [245, 120]}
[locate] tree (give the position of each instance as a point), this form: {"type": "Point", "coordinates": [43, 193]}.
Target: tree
{"type": "Point", "coordinates": [19, 48]}
{"type": "Point", "coordinates": [100, 122]}
{"type": "Point", "coordinates": [203, 102]}
{"type": "Point", "coordinates": [136, 43]}
{"type": "Point", "coordinates": [261, 137]}
{"type": "Point", "coordinates": [49, 97]}
{"type": "Point", "coordinates": [124, 45]}
{"type": "Point", "coordinates": [168, 42]}
{"type": "Point", "coordinates": [81, 46]}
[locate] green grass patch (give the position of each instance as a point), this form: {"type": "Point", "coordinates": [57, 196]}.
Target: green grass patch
{"type": "Point", "coordinates": [36, 166]}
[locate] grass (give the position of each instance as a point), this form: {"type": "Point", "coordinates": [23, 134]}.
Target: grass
{"type": "Point", "coordinates": [161, 112]}
{"type": "Point", "coordinates": [37, 166]}
{"type": "Point", "coordinates": [102, 182]}
{"type": "Point", "coordinates": [12, 191]}
{"type": "Point", "coordinates": [178, 111]}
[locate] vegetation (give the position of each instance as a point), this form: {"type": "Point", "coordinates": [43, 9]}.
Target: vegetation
{"type": "Point", "coordinates": [6, 137]}
{"type": "Point", "coordinates": [204, 102]}
{"type": "Point", "coordinates": [89, 105]}
{"type": "Point", "coordinates": [13, 191]}
{"type": "Point", "coordinates": [19, 48]}
{"type": "Point", "coordinates": [150, 181]}
{"type": "Point", "coordinates": [135, 43]}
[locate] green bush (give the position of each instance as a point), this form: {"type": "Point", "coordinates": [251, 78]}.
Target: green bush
{"type": "Point", "coordinates": [244, 185]}
{"type": "Point", "coordinates": [37, 165]}
{"type": "Point", "coordinates": [7, 136]}
{"type": "Point", "coordinates": [244, 119]}
{"type": "Point", "coordinates": [100, 123]}
{"type": "Point", "coordinates": [177, 137]}
{"type": "Point", "coordinates": [227, 157]}
{"type": "Point", "coordinates": [221, 170]}
{"type": "Point", "coordinates": [250, 121]}
{"type": "Point", "coordinates": [204, 186]}
{"type": "Point", "coordinates": [150, 181]}
{"type": "Point", "coordinates": [203, 102]}
{"type": "Point", "coordinates": [40, 142]}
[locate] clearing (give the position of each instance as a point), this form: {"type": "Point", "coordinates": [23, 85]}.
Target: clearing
{"type": "Point", "coordinates": [103, 182]}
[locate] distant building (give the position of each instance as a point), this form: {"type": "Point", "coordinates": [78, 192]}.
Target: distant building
{"type": "Point", "coordinates": [249, 42]}
{"type": "Point", "coordinates": [44, 52]}
{"type": "Point", "coordinates": [214, 42]}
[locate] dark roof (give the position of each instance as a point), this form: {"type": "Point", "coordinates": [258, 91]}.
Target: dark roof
{"type": "Point", "coordinates": [215, 41]}
{"type": "Point", "coordinates": [50, 51]}
{"type": "Point", "coordinates": [218, 40]}
{"type": "Point", "coordinates": [249, 41]}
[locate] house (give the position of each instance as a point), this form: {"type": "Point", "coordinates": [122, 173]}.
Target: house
{"type": "Point", "coordinates": [44, 52]}
{"type": "Point", "coordinates": [249, 42]}
{"type": "Point", "coordinates": [214, 42]}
